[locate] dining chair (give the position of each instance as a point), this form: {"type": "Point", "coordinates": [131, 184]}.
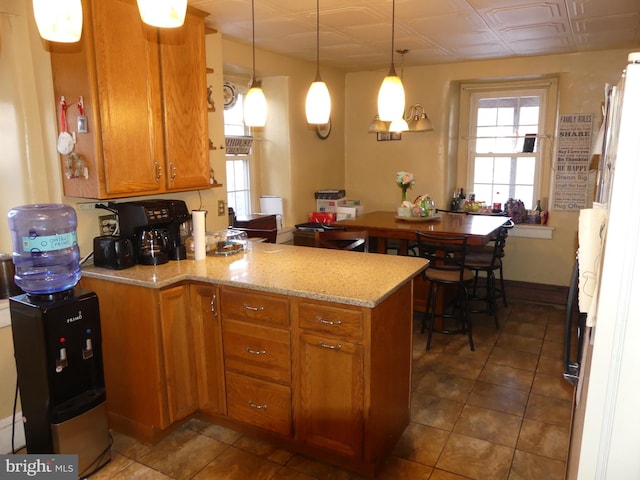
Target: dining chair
{"type": "Point", "coordinates": [343, 240]}
{"type": "Point", "coordinates": [446, 255]}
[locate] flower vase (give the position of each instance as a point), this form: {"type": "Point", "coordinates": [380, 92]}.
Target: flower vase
{"type": "Point", "coordinates": [402, 210]}
{"type": "Point", "coordinates": [404, 194]}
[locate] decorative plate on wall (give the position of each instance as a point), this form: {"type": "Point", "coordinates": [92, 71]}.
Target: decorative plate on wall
{"type": "Point", "coordinates": [230, 93]}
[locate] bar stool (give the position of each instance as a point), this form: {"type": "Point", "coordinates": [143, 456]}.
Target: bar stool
{"type": "Point", "coordinates": [343, 240]}
{"type": "Point", "coordinates": [488, 261]}
{"type": "Point", "coordinates": [446, 255]}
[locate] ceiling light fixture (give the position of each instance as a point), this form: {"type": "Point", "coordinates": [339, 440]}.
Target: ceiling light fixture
{"type": "Point", "coordinates": [391, 94]}
{"type": "Point", "coordinates": [163, 13]}
{"type": "Point", "coordinates": [318, 104]}
{"type": "Point", "coordinates": [255, 104]}
{"type": "Point", "coordinates": [59, 20]}
{"type": "Point", "coordinates": [416, 121]}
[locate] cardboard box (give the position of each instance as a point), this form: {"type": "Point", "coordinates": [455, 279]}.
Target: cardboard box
{"type": "Point", "coordinates": [329, 205]}
{"type": "Point", "coordinates": [349, 212]}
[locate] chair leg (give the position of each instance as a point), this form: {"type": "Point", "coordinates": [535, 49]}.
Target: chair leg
{"type": "Point", "coordinates": [425, 318]}
{"type": "Point", "coordinates": [433, 295]}
{"type": "Point", "coordinates": [492, 296]}
{"type": "Point", "coordinates": [503, 292]}
{"type": "Point", "coordinates": [467, 316]}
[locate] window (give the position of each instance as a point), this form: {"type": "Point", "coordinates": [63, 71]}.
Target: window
{"type": "Point", "coordinates": [238, 180]}
{"type": "Point", "coordinates": [505, 158]}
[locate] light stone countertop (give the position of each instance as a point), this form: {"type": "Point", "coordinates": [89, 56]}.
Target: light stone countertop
{"type": "Point", "coordinates": [353, 278]}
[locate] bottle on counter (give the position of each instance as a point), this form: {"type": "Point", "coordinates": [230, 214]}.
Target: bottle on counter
{"type": "Point", "coordinates": [537, 213]}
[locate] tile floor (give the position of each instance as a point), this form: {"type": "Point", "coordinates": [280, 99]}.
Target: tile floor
{"type": "Point", "coordinates": [501, 412]}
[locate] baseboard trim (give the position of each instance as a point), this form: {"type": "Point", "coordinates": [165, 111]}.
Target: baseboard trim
{"type": "Point", "coordinates": [536, 292]}
{"type": "Point", "coordinates": [6, 431]}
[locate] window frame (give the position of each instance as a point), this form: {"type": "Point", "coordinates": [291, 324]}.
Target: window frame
{"type": "Point", "coordinates": [470, 93]}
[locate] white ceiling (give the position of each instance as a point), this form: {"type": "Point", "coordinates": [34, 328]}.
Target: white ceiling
{"type": "Point", "coordinates": [356, 34]}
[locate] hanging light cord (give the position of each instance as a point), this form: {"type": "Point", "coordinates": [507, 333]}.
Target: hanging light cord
{"type": "Point", "coordinates": [317, 37]}
{"type": "Point", "coordinates": [393, 29]}
{"type": "Point", "coordinates": [253, 40]}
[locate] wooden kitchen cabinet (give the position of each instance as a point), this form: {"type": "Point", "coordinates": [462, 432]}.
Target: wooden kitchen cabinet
{"type": "Point", "coordinates": [205, 306]}
{"type": "Point", "coordinates": [257, 359]}
{"type": "Point", "coordinates": [148, 355]}
{"type": "Point", "coordinates": [144, 94]}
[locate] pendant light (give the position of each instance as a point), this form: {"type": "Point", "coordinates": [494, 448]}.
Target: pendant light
{"type": "Point", "coordinates": [318, 104]}
{"type": "Point", "coordinates": [59, 20]}
{"type": "Point", "coordinates": [391, 94]}
{"type": "Point", "coordinates": [163, 13]}
{"type": "Point", "coordinates": [255, 105]}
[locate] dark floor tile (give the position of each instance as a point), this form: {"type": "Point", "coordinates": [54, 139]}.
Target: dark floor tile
{"type": "Point", "coordinates": [117, 464]}
{"type": "Point", "coordinates": [550, 365]}
{"type": "Point", "coordinates": [139, 471]}
{"type": "Point", "coordinates": [552, 349]}
{"type": "Point", "coordinates": [286, 473]}
{"type": "Point", "coordinates": [507, 376]}
{"type": "Point", "coordinates": [475, 458]}
{"type": "Point", "coordinates": [528, 466]}
{"type": "Point", "coordinates": [319, 470]}
{"type": "Point", "coordinates": [490, 425]}
{"type": "Point", "coordinates": [555, 332]}
{"type": "Point", "coordinates": [514, 358]}
{"type": "Point", "coordinates": [495, 397]}
{"type": "Point", "coordinates": [544, 439]}
{"type": "Point", "coordinates": [222, 434]}
{"type": "Point", "coordinates": [549, 410]}
{"type": "Point", "coordinates": [520, 343]}
{"type": "Point", "coordinates": [445, 385]}
{"type": "Point", "coordinates": [396, 468]}
{"type": "Point", "coordinates": [466, 366]}
{"type": "Point", "coordinates": [525, 329]}
{"type": "Point", "coordinates": [236, 464]}
{"type": "Point", "coordinates": [128, 446]}
{"type": "Point", "coordinates": [421, 443]}
{"type": "Point", "coordinates": [552, 386]}
{"type": "Point", "coordinates": [263, 449]}
{"type": "Point", "coordinates": [434, 411]}
{"type": "Point", "coordinates": [442, 475]}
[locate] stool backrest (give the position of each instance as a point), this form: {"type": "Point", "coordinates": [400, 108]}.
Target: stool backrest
{"type": "Point", "coordinates": [445, 253]}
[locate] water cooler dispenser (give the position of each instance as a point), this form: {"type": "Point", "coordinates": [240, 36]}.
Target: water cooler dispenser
{"type": "Point", "coordinates": [57, 340]}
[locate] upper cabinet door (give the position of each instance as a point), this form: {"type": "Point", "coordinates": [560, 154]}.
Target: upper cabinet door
{"type": "Point", "coordinates": [129, 95]}
{"type": "Point", "coordinates": [184, 95]}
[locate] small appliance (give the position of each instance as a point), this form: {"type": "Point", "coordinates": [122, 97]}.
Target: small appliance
{"type": "Point", "coordinates": [114, 252]}
{"type": "Point", "coordinates": [154, 227]}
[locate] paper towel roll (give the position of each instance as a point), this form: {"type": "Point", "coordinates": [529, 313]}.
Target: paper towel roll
{"type": "Point", "coordinates": [199, 229]}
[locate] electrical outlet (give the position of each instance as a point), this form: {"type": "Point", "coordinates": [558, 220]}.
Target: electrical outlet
{"type": "Point", "coordinates": [107, 224]}
{"type": "Point", "coordinates": [221, 208]}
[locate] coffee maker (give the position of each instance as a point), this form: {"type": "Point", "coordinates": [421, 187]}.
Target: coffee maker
{"type": "Point", "coordinates": [154, 227]}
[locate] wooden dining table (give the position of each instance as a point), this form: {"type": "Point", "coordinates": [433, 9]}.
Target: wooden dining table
{"type": "Point", "coordinates": [382, 226]}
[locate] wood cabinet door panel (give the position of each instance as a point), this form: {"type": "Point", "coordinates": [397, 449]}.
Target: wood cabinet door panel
{"type": "Point", "coordinates": [260, 308]}
{"type": "Point", "coordinates": [208, 348]}
{"type": "Point", "coordinates": [129, 94]}
{"type": "Point", "coordinates": [263, 352]}
{"type": "Point", "coordinates": [178, 344]}
{"type": "Point", "coordinates": [184, 93]}
{"type": "Point", "coordinates": [256, 402]}
{"type": "Point", "coordinates": [330, 395]}
{"type": "Point", "coordinates": [330, 320]}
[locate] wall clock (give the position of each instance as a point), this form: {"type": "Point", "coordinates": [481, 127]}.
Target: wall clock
{"type": "Point", "coordinates": [324, 130]}
{"type": "Point", "coordinates": [230, 93]}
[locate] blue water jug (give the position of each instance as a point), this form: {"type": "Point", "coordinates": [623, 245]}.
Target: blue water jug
{"type": "Point", "coordinates": [45, 247]}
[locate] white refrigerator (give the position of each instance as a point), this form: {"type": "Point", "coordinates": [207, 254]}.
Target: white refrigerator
{"type": "Point", "coordinates": [605, 436]}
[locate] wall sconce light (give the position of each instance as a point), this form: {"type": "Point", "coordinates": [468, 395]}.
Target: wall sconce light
{"type": "Point", "coordinates": [163, 13]}
{"type": "Point", "coordinates": [255, 103]}
{"type": "Point", "coordinates": [391, 94]}
{"type": "Point", "coordinates": [58, 20]}
{"type": "Point", "coordinates": [415, 121]}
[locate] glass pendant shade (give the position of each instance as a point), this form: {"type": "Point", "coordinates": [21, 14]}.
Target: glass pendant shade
{"type": "Point", "coordinates": [399, 125]}
{"type": "Point", "coordinates": [163, 13]}
{"type": "Point", "coordinates": [58, 20]}
{"type": "Point", "coordinates": [318, 104]}
{"type": "Point", "coordinates": [420, 123]}
{"type": "Point", "coordinates": [377, 125]}
{"type": "Point", "coordinates": [255, 107]}
{"type": "Point", "coordinates": [391, 98]}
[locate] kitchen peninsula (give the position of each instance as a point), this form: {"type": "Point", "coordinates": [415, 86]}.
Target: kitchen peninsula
{"type": "Point", "coordinates": [309, 348]}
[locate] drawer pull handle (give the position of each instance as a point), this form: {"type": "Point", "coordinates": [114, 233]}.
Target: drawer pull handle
{"type": "Point", "coordinates": [329, 322]}
{"type": "Point", "coordinates": [253, 309]}
{"type": "Point", "coordinates": [332, 347]}
{"type": "Point", "coordinates": [256, 352]}
{"type": "Point", "coordinates": [256, 406]}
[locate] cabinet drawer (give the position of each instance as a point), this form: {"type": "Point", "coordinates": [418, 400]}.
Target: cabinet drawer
{"type": "Point", "coordinates": [330, 320]}
{"type": "Point", "coordinates": [257, 307]}
{"type": "Point", "coordinates": [256, 402]}
{"type": "Point", "coordinates": [259, 351]}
